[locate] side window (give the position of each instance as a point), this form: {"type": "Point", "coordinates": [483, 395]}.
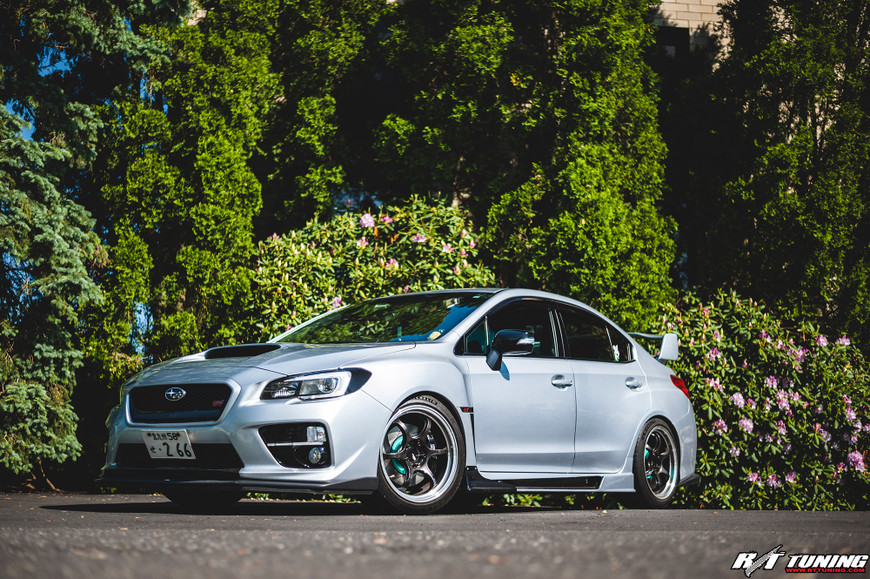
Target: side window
{"type": "Point", "coordinates": [476, 340]}
{"type": "Point", "coordinates": [528, 316]}
{"type": "Point", "coordinates": [588, 337]}
{"type": "Point", "coordinates": [620, 345]}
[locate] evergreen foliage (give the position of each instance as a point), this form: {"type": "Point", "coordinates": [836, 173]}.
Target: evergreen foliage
{"type": "Point", "coordinates": [320, 51]}
{"type": "Point", "coordinates": [58, 58]}
{"type": "Point", "coordinates": [178, 197]}
{"type": "Point", "coordinates": [773, 196]}
{"type": "Point", "coordinates": [541, 119]}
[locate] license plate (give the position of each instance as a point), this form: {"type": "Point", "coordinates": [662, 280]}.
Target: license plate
{"type": "Point", "coordinates": [173, 444]}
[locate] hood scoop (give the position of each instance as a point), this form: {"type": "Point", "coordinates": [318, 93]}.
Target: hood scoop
{"type": "Point", "coordinates": [242, 351]}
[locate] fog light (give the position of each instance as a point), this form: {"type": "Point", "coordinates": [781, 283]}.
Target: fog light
{"type": "Point", "coordinates": [315, 455]}
{"type": "Point", "coordinates": [316, 434]}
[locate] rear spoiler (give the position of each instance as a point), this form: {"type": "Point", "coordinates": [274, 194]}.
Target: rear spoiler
{"type": "Point", "coordinates": [670, 348]}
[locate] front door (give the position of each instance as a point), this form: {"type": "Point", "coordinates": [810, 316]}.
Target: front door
{"type": "Point", "coordinates": [525, 413]}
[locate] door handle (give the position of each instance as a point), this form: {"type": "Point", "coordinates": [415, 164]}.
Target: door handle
{"type": "Point", "coordinates": [633, 383]}
{"type": "Point", "coordinates": [559, 381]}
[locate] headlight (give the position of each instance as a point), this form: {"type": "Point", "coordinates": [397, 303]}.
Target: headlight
{"type": "Point", "coordinates": [312, 386]}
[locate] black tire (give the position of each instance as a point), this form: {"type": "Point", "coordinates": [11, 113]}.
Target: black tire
{"type": "Point", "coordinates": [656, 465]}
{"type": "Point", "coordinates": [200, 500]}
{"type": "Point", "coordinates": [422, 457]}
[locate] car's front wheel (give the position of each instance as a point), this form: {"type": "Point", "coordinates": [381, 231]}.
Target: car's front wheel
{"type": "Point", "coordinates": [656, 464]}
{"type": "Point", "coordinates": [422, 457]}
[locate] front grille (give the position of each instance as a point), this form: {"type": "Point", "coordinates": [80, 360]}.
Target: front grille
{"type": "Point", "coordinates": [201, 403]}
{"type": "Point", "coordinates": [208, 456]}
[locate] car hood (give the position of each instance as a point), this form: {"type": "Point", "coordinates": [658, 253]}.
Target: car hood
{"type": "Point", "coordinates": [283, 359]}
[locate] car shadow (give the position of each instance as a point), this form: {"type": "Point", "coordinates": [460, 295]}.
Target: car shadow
{"type": "Point", "coordinates": [264, 508]}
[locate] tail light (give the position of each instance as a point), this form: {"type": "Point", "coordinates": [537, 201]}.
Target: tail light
{"type": "Point", "coordinates": [681, 384]}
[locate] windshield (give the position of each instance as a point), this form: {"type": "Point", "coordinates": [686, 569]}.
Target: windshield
{"type": "Point", "coordinates": [410, 318]}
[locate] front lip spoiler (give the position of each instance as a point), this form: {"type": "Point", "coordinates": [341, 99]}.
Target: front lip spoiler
{"type": "Point", "coordinates": [357, 486]}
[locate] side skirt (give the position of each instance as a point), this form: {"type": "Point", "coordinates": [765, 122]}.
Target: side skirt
{"type": "Point", "coordinates": [475, 482]}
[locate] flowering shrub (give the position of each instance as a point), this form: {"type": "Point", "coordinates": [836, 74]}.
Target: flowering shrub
{"type": "Point", "coordinates": [355, 256]}
{"type": "Point", "coordinates": [783, 418]}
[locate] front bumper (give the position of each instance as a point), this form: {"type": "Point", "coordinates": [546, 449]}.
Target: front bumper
{"type": "Point", "coordinates": [232, 454]}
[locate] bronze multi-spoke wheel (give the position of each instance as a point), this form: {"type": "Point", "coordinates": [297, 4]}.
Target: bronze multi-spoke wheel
{"type": "Point", "coordinates": [422, 457]}
{"type": "Point", "coordinates": [656, 464]}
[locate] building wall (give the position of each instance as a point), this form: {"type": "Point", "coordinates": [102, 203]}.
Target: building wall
{"type": "Point", "coordinates": [691, 14]}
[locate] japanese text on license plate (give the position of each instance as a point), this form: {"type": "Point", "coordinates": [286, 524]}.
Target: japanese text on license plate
{"type": "Point", "coordinates": [168, 444]}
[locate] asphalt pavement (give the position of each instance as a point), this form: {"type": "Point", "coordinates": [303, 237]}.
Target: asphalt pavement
{"type": "Point", "coordinates": [142, 536]}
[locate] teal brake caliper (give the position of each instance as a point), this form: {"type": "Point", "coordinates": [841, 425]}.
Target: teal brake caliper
{"type": "Point", "coordinates": [645, 457]}
{"type": "Point", "coordinates": [395, 447]}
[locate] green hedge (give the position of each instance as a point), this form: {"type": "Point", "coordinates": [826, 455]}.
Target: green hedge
{"type": "Point", "coordinates": [782, 413]}
{"type": "Point", "coordinates": [355, 256]}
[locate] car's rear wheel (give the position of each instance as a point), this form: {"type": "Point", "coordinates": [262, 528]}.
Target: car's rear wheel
{"type": "Point", "coordinates": [203, 500]}
{"type": "Point", "coordinates": [656, 464]}
{"type": "Point", "coordinates": [422, 457]}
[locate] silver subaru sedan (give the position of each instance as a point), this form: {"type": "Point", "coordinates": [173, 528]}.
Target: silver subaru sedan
{"type": "Point", "coordinates": [417, 400]}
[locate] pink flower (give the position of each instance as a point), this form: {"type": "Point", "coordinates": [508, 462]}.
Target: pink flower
{"type": "Point", "coordinates": [790, 477]}
{"type": "Point", "coordinates": [821, 341]}
{"type": "Point", "coordinates": [737, 399]}
{"type": "Point", "coordinates": [754, 478]}
{"type": "Point", "coordinates": [780, 426]}
{"type": "Point", "coordinates": [735, 451]}
{"type": "Point", "coordinates": [446, 247]}
{"type": "Point", "coordinates": [367, 221]}
{"type": "Point", "coordinates": [856, 461]}
{"type": "Point", "coordinates": [782, 399]}
{"type": "Point", "coordinates": [771, 381]}
{"type": "Point", "coordinates": [362, 242]}
{"type": "Point", "coordinates": [773, 481]}
{"type": "Point", "coordinates": [392, 264]}
{"type": "Point", "coordinates": [750, 402]}
{"type": "Point", "coordinates": [336, 302]}
{"type": "Point", "coordinates": [799, 354]}
{"type": "Point", "coordinates": [746, 424]}
{"type": "Point", "coordinates": [387, 220]}
{"type": "Point", "coordinates": [715, 384]}
{"type": "Point", "coordinates": [720, 427]}
{"type": "Point", "coordinates": [713, 354]}
{"type": "Point", "coordinates": [844, 341]}
{"type": "Point", "coordinates": [457, 270]}
{"type": "Point", "coordinates": [418, 238]}
{"type": "Point", "coordinates": [817, 428]}
{"type": "Point", "coordinates": [273, 236]}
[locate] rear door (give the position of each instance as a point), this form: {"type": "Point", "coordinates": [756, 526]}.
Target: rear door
{"type": "Point", "coordinates": [612, 395]}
